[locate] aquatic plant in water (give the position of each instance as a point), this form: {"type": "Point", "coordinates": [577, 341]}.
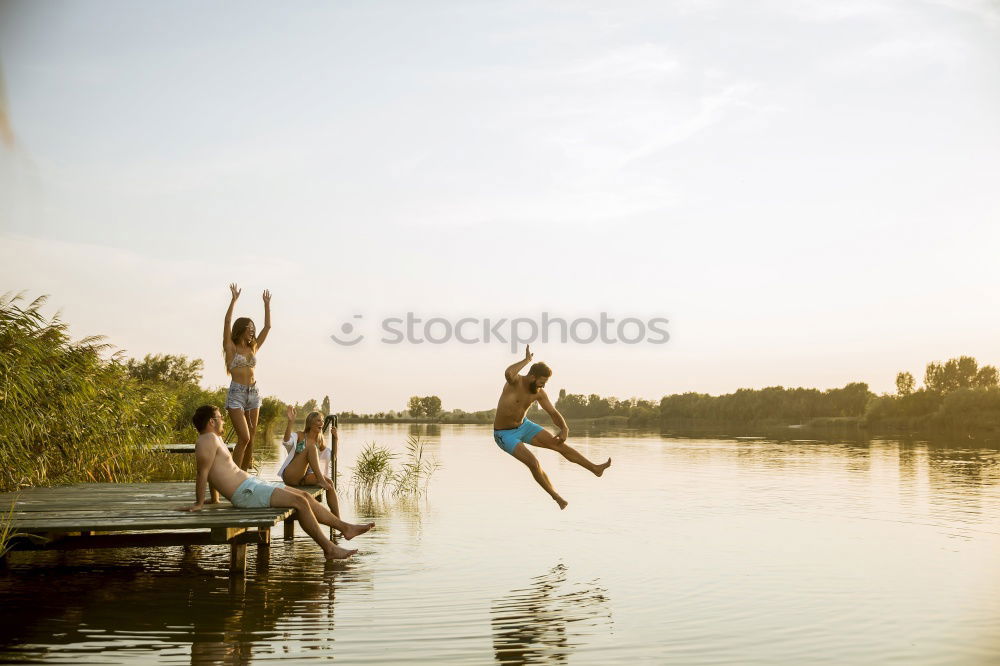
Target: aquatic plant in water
{"type": "Point", "coordinates": [373, 473]}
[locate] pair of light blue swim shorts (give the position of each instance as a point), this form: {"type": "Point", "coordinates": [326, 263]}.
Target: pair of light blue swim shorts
{"type": "Point", "coordinates": [254, 493]}
{"type": "Point", "coordinates": [243, 397]}
{"type": "Point", "coordinates": [508, 439]}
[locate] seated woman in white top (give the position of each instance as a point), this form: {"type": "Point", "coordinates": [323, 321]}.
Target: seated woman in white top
{"type": "Point", "coordinates": [307, 459]}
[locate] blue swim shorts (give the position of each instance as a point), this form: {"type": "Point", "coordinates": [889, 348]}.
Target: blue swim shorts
{"type": "Point", "coordinates": [508, 439]}
{"type": "Point", "coordinates": [254, 493]}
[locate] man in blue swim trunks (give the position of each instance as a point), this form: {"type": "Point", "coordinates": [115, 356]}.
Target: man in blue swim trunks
{"type": "Point", "coordinates": [216, 465]}
{"type": "Point", "coordinates": [511, 430]}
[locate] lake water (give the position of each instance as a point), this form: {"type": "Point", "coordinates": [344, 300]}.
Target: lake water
{"type": "Point", "coordinates": [691, 551]}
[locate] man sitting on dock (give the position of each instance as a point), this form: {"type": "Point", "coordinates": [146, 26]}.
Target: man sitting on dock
{"type": "Point", "coordinates": [216, 466]}
{"type": "Point", "coordinates": [511, 430]}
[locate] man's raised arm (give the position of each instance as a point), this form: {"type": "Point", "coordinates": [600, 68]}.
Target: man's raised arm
{"type": "Point", "coordinates": [557, 418]}
{"type": "Point", "coordinates": [512, 371]}
{"type": "Point", "coordinates": [205, 453]}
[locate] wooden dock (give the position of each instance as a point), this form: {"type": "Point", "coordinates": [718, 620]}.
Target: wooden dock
{"type": "Point", "coordinates": [136, 515]}
{"type": "Point", "coordinates": [184, 448]}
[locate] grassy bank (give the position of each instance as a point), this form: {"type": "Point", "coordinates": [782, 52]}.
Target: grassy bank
{"type": "Point", "coordinates": [77, 410]}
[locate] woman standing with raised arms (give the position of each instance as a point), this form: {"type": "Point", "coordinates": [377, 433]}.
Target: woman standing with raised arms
{"type": "Point", "coordinates": [240, 344]}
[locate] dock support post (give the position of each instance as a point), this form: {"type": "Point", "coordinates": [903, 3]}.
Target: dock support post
{"type": "Point", "coordinates": [290, 527]}
{"type": "Point", "coordinates": [237, 558]}
{"type": "Point", "coordinates": [263, 547]}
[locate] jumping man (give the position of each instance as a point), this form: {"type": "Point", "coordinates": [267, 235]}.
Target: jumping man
{"type": "Point", "coordinates": [511, 430]}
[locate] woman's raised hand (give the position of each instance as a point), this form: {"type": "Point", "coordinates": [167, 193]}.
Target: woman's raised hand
{"type": "Point", "coordinates": [267, 298]}
{"type": "Point", "coordinates": [234, 290]}
{"type": "Point", "coordinates": [290, 412]}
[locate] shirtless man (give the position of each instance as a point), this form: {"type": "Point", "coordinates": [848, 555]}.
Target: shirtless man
{"type": "Point", "coordinates": [216, 465]}
{"type": "Point", "coordinates": [512, 431]}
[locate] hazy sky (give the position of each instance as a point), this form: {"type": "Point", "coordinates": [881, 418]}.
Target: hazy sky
{"type": "Point", "coordinates": [807, 190]}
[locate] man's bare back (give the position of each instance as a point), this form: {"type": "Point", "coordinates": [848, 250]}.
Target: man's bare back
{"type": "Point", "coordinates": [223, 473]}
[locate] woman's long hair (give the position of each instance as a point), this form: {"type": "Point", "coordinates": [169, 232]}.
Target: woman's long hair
{"type": "Point", "coordinates": [239, 328]}
{"type": "Point", "coordinates": [321, 444]}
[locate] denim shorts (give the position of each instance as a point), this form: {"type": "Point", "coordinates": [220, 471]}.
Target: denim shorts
{"type": "Point", "coordinates": [242, 397]}
{"type": "Point", "coordinates": [254, 493]}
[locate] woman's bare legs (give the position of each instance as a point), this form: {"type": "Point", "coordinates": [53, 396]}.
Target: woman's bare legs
{"type": "Point", "coordinates": [239, 420]}
{"type": "Point", "coordinates": [296, 470]}
{"type": "Point", "coordinates": [331, 495]}
{"type": "Point", "coordinates": [252, 416]}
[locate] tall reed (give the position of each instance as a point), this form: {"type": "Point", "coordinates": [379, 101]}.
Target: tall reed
{"type": "Point", "coordinates": [6, 530]}
{"type": "Point", "coordinates": [74, 411]}
{"type": "Point", "coordinates": [374, 475]}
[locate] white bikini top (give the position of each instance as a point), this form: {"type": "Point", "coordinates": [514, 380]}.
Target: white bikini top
{"type": "Point", "coordinates": [241, 361]}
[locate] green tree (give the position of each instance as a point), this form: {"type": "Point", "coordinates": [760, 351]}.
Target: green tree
{"type": "Point", "coordinates": [326, 404]}
{"type": "Point", "coordinates": [904, 383]}
{"type": "Point", "coordinates": [310, 406]}
{"type": "Point", "coordinates": [165, 368]}
{"type": "Point", "coordinates": [431, 405]}
{"type": "Point", "coordinates": [415, 406]}
{"type": "Point", "coordinates": [958, 373]}
{"type": "Point", "coordinates": [987, 377]}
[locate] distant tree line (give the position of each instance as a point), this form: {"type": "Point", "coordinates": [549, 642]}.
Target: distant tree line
{"type": "Point", "coordinates": [635, 411]}
{"type": "Point", "coordinates": [774, 403]}
{"type": "Point", "coordinates": [958, 394]}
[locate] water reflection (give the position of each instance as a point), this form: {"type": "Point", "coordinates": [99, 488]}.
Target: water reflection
{"type": "Point", "coordinates": [545, 621]}
{"type": "Point", "coordinates": [182, 608]}
{"type": "Point", "coordinates": [892, 542]}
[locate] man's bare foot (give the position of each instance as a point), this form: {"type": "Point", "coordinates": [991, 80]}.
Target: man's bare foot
{"type": "Point", "coordinates": [599, 469]}
{"type": "Point", "coordinates": [212, 500]}
{"type": "Point", "coordinates": [561, 502]}
{"type": "Point", "coordinates": [356, 530]}
{"type": "Point", "coordinates": [338, 553]}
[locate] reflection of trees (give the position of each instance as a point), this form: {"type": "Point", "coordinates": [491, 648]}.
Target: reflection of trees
{"type": "Point", "coordinates": [138, 611]}
{"type": "Point", "coordinates": [547, 620]}
{"type": "Point", "coordinates": [425, 429]}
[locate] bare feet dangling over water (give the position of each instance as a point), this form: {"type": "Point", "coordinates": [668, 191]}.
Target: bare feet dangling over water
{"type": "Point", "coordinates": [356, 530]}
{"type": "Point", "coordinates": [599, 470]}
{"type": "Point", "coordinates": [337, 553]}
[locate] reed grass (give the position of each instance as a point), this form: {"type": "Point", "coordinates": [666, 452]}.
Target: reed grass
{"type": "Point", "coordinates": [415, 475]}
{"type": "Point", "coordinates": [78, 411]}
{"type": "Point", "coordinates": [374, 475]}
{"type": "Point", "coordinates": [6, 530]}
{"type": "Point", "coordinates": [372, 471]}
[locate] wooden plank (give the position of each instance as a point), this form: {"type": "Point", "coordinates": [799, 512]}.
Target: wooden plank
{"type": "Point", "coordinates": [136, 524]}
{"type": "Point", "coordinates": [100, 507]}
{"type": "Point", "coordinates": [147, 540]}
{"type": "Point", "coordinates": [225, 534]}
{"type": "Point", "coordinates": [183, 448]}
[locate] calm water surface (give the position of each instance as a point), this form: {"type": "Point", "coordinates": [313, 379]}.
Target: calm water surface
{"type": "Point", "coordinates": [692, 551]}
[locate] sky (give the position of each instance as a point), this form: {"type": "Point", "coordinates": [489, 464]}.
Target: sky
{"type": "Point", "coordinates": [806, 190]}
